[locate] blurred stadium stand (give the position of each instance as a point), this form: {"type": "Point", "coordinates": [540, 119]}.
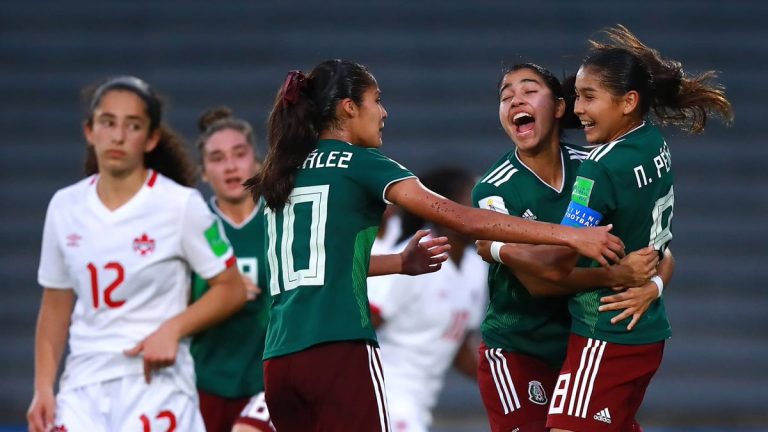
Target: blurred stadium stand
{"type": "Point", "coordinates": [437, 63]}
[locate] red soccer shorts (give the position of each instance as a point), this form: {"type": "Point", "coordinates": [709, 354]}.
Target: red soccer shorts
{"type": "Point", "coordinates": [602, 384]}
{"type": "Point", "coordinates": [516, 390]}
{"type": "Point", "coordinates": [334, 387]}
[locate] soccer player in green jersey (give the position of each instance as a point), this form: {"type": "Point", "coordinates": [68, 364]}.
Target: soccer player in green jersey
{"type": "Point", "coordinates": [525, 331]}
{"type": "Point", "coordinates": [228, 356]}
{"type": "Point", "coordinates": [627, 181]}
{"type": "Point", "coordinates": [326, 184]}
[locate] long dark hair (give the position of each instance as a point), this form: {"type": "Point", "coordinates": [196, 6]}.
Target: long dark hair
{"type": "Point", "coordinates": [220, 118]}
{"type": "Point", "coordinates": [169, 157]}
{"type": "Point", "coordinates": [559, 91]}
{"type": "Point", "coordinates": [304, 107]}
{"type": "Point", "coordinates": [675, 97]}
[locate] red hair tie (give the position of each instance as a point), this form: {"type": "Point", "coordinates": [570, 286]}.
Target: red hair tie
{"type": "Point", "coordinates": [294, 82]}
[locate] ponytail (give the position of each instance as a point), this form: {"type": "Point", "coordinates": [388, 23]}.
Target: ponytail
{"type": "Point", "coordinates": [676, 98]}
{"type": "Point", "coordinates": [292, 135]}
{"type": "Point", "coordinates": [304, 107]}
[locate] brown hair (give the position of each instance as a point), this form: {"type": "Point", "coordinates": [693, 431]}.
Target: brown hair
{"type": "Point", "coordinates": [220, 118]}
{"type": "Point", "coordinates": [169, 157]}
{"type": "Point", "coordinates": [303, 108]}
{"type": "Point", "coordinates": [676, 98]}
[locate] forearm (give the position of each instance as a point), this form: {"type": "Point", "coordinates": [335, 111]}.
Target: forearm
{"type": "Point", "coordinates": [51, 335]}
{"type": "Point", "coordinates": [466, 358]}
{"type": "Point", "coordinates": [488, 225]}
{"type": "Point", "coordinates": [666, 267]}
{"type": "Point", "coordinates": [541, 269]}
{"type": "Point", "coordinates": [385, 264]}
{"type": "Point", "coordinates": [585, 279]}
{"type": "Point", "coordinates": [473, 222]}
{"type": "Point", "coordinates": [226, 296]}
{"type": "Point", "coordinates": [550, 263]}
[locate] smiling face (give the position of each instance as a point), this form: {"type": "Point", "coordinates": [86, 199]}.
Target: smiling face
{"type": "Point", "coordinates": [366, 125]}
{"type": "Point", "coordinates": [119, 133]}
{"type": "Point", "coordinates": [228, 161]}
{"type": "Point", "coordinates": [528, 111]}
{"type": "Point", "coordinates": [605, 116]}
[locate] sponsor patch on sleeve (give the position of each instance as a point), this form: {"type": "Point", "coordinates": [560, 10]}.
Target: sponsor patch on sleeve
{"type": "Point", "coordinates": [493, 203]}
{"type": "Point", "coordinates": [578, 215]}
{"type": "Point", "coordinates": [218, 245]}
{"type": "Point", "coordinates": [582, 190]}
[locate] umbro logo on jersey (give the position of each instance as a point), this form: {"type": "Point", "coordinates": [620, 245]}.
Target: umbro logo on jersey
{"type": "Point", "coordinates": [60, 428]}
{"type": "Point", "coordinates": [536, 393]}
{"type": "Point", "coordinates": [528, 214]}
{"type": "Point", "coordinates": [73, 240]}
{"type": "Point", "coordinates": [603, 416]}
{"type": "Point", "coordinates": [144, 245]}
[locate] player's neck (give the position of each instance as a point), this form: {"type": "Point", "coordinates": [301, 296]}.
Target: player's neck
{"type": "Point", "coordinates": [236, 211]}
{"type": "Point", "coordinates": [116, 190]}
{"type": "Point", "coordinates": [546, 163]}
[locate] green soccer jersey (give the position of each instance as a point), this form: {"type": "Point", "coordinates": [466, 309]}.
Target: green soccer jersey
{"type": "Point", "coordinates": [228, 355]}
{"type": "Point", "coordinates": [516, 321]}
{"type": "Point", "coordinates": [319, 247]}
{"type": "Point", "coordinates": [627, 183]}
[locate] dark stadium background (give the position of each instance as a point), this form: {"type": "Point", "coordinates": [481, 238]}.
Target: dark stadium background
{"type": "Point", "coordinates": [437, 63]}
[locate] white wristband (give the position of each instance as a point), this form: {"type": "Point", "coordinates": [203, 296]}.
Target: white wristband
{"type": "Point", "coordinates": [659, 283]}
{"type": "Point", "coordinates": [495, 250]}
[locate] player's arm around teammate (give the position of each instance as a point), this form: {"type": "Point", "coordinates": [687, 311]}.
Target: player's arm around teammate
{"type": "Point", "coordinates": [542, 272]}
{"type": "Point", "coordinates": [627, 180]}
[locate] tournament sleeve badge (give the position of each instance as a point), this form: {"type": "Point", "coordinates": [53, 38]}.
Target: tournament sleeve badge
{"type": "Point", "coordinates": [493, 203]}
{"type": "Point", "coordinates": [218, 245]}
{"type": "Point", "coordinates": [578, 213]}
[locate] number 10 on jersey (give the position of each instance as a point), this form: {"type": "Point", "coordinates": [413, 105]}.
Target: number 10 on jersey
{"type": "Point", "coordinates": [305, 204]}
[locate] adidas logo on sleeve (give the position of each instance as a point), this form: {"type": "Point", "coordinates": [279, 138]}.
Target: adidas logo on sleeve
{"type": "Point", "coordinates": [604, 416]}
{"type": "Point", "coordinates": [528, 214]}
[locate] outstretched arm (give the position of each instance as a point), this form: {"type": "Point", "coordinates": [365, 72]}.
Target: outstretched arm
{"type": "Point", "coordinates": [466, 357]}
{"type": "Point", "coordinates": [596, 243]}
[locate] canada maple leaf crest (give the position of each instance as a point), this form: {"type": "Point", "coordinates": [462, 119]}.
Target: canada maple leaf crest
{"type": "Point", "coordinates": [144, 245]}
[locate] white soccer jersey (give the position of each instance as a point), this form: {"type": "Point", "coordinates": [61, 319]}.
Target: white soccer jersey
{"type": "Point", "coordinates": [130, 270]}
{"type": "Point", "coordinates": [426, 319]}
{"type": "Point", "coordinates": [386, 244]}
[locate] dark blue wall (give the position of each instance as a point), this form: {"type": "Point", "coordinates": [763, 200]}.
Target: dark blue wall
{"type": "Point", "coordinates": [437, 63]}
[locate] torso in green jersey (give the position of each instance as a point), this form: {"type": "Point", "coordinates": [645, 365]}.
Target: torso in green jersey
{"type": "Point", "coordinates": [228, 355]}
{"type": "Point", "coordinates": [627, 183]}
{"type": "Point", "coordinates": [516, 321]}
{"type": "Point", "coordinates": [319, 246]}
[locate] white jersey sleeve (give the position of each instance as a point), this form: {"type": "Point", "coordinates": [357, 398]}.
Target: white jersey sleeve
{"type": "Point", "coordinates": [52, 272]}
{"type": "Point", "coordinates": [203, 242]}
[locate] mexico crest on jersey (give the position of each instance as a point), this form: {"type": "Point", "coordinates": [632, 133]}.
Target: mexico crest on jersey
{"type": "Point", "coordinates": [144, 245]}
{"type": "Point", "coordinates": [536, 393]}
